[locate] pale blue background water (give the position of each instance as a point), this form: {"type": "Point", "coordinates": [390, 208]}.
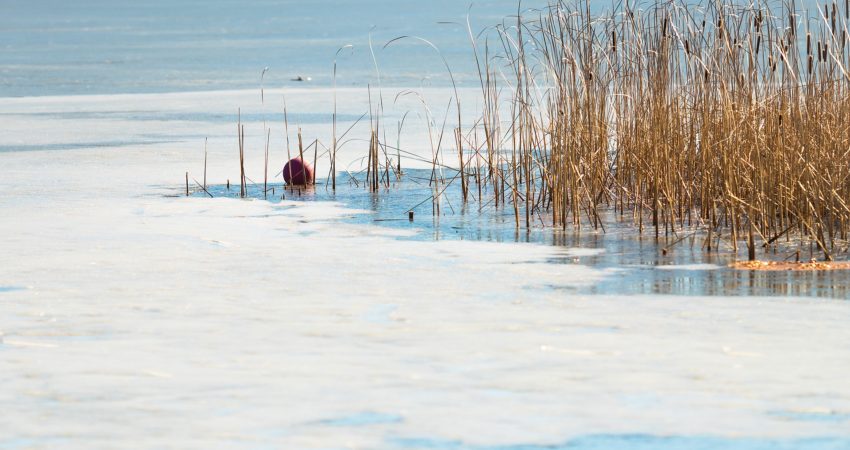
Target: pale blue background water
{"type": "Point", "coordinates": [59, 47]}
{"type": "Point", "coordinates": [56, 47]}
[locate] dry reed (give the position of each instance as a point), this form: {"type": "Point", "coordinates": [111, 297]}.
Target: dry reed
{"type": "Point", "coordinates": [678, 115]}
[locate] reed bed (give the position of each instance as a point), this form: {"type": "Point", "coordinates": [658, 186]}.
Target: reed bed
{"type": "Point", "coordinates": [728, 117]}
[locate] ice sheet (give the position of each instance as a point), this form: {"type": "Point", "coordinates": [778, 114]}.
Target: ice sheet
{"type": "Point", "coordinates": [139, 320]}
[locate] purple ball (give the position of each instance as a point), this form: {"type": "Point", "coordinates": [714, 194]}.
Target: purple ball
{"type": "Point", "coordinates": [298, 172]}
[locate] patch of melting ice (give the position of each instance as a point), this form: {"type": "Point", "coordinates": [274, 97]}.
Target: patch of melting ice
{"type": "Point", "coordinates": [688, 267]}
{"type": "Point", "coordinates": [10, 288]}
{"type": "Point", "coordinates": [364, 418]}
{"type": "Point", "coordinates": [78, 145]}
{"type": "Point", "coordinates": [380, 314]}
{"type": "Point", "coordinates": [814, 415]}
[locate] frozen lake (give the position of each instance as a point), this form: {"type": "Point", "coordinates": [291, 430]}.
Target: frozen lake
{"type": "Point", "coordinates": [131, 316]}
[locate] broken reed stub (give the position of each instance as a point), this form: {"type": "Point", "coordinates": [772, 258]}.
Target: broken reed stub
{"type": "Point", "coordinates": [297, 172]}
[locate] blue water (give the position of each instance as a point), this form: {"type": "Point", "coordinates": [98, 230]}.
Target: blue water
{"type": "Point", "coordinates": [641, 442]}
{"type": "Point", "coordinates": [641, 266]}
{"type": "Point", "coordinates": [57, 47]}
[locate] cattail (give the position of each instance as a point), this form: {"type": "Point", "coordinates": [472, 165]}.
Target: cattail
{"type": "Point", "coordinates": [614, 41]}
{"type": "Point", "coordinates": [810, 64]}
{"type": "Point", "coordinates": [758, 44]}
{"type": "Point", "coordinates": [687, 49]}
{"type": "Point", "coordinates": [834, 13]}
{"type": "Point", "coordinates": [808, 44]}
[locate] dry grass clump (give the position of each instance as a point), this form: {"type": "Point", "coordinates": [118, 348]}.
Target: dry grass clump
{"type": "Point", "coordinates": [795, 266]}
{"type": "Point", "coordinates": [734, 118]}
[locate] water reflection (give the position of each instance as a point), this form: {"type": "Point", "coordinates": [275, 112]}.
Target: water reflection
{"type": "Point", "coordinates": [643, 268]}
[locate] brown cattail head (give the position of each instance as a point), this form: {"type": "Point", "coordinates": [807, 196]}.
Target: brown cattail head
{"type": "Point", "coordinates": [834, 13]}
